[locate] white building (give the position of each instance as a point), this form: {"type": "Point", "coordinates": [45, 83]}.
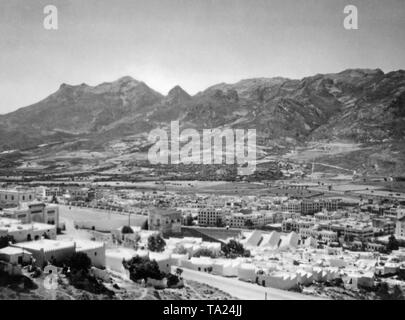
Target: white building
{"type": "Point", "coordinates": [289, 241]}
{"type": "Point", "coordinates": [210, 216]}
{"type": "Point", "coordinates": [94, 250]}
{"type": "Point", "coordinates": [254, 238]}
{"type": "Point", "coordinates": [12, 197]}
{"type": "Point", "coordinates": [115, 257]}
{"type": "Point", "coordinates": [247, 272]}
{"type": "Point", "coordinates": [163, 260]}
{"type": "Point", "coordinates": [26, 232]}
{"type": "Point", "coordinates": [279, 280]}
{"type": "Point", "coordinates": [226, 267]}
{"type": "Point", "coordinates": [400, 228]}
{"type": "Point", "coordinates": [15, 255]}
{"type": "Point", "coordinates": [34, 212]}
{"type": "Point", "coordinates": [271, 240]}
{"type": "Point", "coordinates": [45, 250]}
{"type": "Point", "coordinates": [203, 264]}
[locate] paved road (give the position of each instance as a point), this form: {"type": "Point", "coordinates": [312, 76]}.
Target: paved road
{"type": "Point", "coordinates": [243, 290]}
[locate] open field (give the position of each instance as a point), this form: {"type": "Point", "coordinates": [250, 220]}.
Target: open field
{"type": "Point", "coordinates": [318, 149]}
{"type": "Point", "coordinates": [70, 216]}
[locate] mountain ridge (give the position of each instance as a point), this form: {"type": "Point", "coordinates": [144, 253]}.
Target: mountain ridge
{"type": "Point", "coordinates": [359, 105]}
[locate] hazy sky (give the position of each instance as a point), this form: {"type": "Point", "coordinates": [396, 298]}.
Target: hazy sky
{"type": "Point", "coordinates": [193, 43]}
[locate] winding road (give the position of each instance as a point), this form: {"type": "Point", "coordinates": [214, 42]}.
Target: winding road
{"type": "Point", "coordinates": [243, 290]}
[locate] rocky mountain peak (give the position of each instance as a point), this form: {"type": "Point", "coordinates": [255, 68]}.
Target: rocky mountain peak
{"type": "Point", "coordinates": [177, 94]}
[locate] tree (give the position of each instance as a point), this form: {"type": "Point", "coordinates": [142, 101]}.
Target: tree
{"type": "Point", "coordinates": [54, 199]}
{"type": "Point", "coordinates": [5, 240]}
{"type": "Point", "coordinates": [172, 280]}
{"type": "Point", "coordinates": [393, 243]}
{"type": "Point", "coordinates": [188, 220]}
{"type": "Point", "coordinates": [397, 293]}
{"type": "Point", "coordinates": [204, 252]}
{"type": "Point", "coordinates": [180, 250]}
{"type": "Point", "coordinates": [126, 230]}
{"type": "Point", "coordinates": [349, 238]}
{"type": "Point", "coordinates": [219, 223]}
{"type": "Point", "coordinates": [249, 223]}
{"type": "Point", "coordinates": [234, 249]}
{"type": "Point", "coordinates": [156, 243]}
{"type": "Point", "coordinates": [79, 261]}
{"type": "Point", "coordinates": [143, 268]}
{"type": "Point", "coordinates": [383, 291]}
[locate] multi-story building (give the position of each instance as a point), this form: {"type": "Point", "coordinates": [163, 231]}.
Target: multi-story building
{"type": "Point", "coordinates": [211, 216]}
{"type": "Point", "coordinates": [73, 193]}
{"type": "Point", "coordinates": [80, 194]}
{"type": "Point", "coordinates": [383, 226]}
{"type": "Point", "coordinates": [54, 191]}
{"type": "Point", "coordinates": [322, 235]}
{"type": "Point", "coordinates": [237, 220]}
{"type": "Point", "coordinates": [331, 204]}
{"type": "Point", "coordinates": [325, 215]}
{"type": "Point", "coordinates": [165, 220]}
{"type": "Point", "coordinates": [400, 228]}
{"type": "Point", "coordinates": [354, 230]}
{"type": "Point", "coordinates": [289, 225]}
{"type": "Point", "coordinates": [257, 219]}
{"type": "Point", "coordinates": [311, 206]}
{"type": "Point", "coordinates": [12, 197]}
{"type": "Point", "coordinates": [34, 212]}
{"type": "Point", "coordinates": [297, 223]}
{"type": "Point", "coordinates": [293, 206]}
{"type": "Point", "coordinates": [26, 231]}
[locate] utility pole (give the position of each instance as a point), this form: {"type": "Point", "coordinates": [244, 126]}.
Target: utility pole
{"type": "Point", "coordinates": [312, 171]}
{"type": "Point", "coordinates": [129, 218]}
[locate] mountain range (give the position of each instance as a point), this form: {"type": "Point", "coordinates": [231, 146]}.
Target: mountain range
{"type": "Point", "coordinates": [359, 107]}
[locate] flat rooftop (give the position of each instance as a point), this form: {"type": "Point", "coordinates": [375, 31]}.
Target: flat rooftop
{"type": "Point", "coordinates": [165, 211]}
{"type": "Point", "coordinates": [8, 221]}
{"type": "Point", "coordinates": [12, 251]}
{"type": "Point", "coordinates": [17, 190]}
{"type": "Point", "coordinates": [45, 244]}
{"type": "Point", "coordinates": [14, 227]}
{"type": "Point", "coordinates": [82, 245]}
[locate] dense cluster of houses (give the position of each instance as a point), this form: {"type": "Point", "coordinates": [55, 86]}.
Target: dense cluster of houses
{"type": "Point", "coordinates": [292, 242]}
{"type": "Point", "coordinates": [277, 260]}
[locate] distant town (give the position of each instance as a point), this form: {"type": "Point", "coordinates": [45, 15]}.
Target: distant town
{"type": "Point", "coordinates": [281, 239]}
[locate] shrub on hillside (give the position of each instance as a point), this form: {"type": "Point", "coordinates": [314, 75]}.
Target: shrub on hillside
{"type": "Point", "coordinates": [79, 261]}
{"type": "Point", "coordinates": [143, 268]}
{"type": "Point", "coordinates": [234, 249]}
{"type": "Point", "coordinates": [203, 252]}
{"type": "Point", "coordinates": [156, 243]}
